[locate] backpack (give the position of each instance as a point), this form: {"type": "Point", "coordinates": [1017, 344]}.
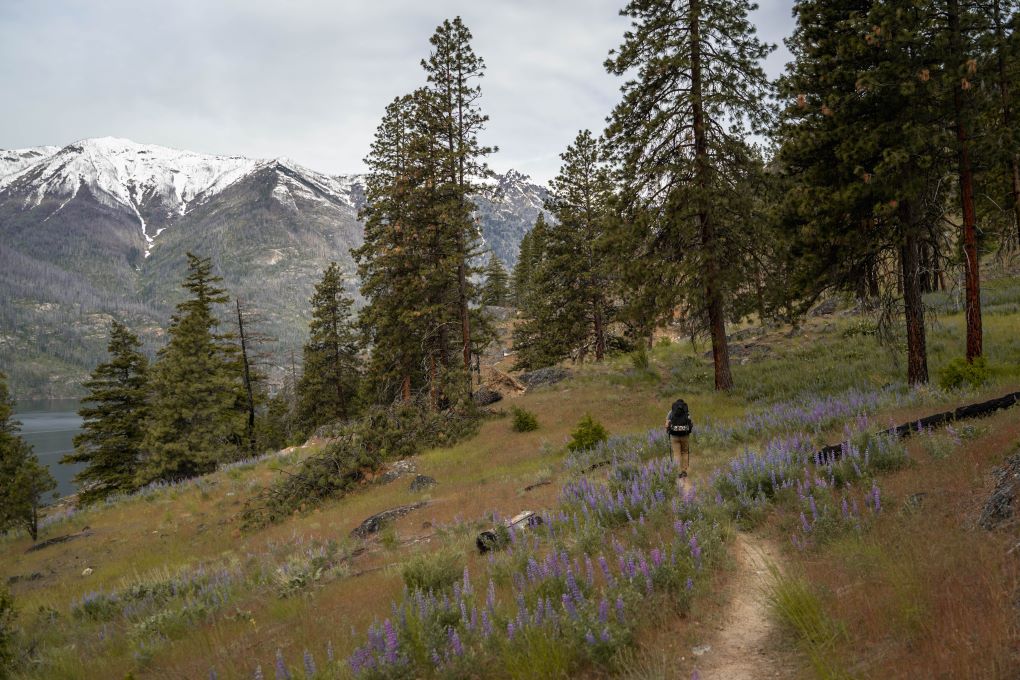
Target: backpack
{"type": "Point", "coordinates": [680, 424]}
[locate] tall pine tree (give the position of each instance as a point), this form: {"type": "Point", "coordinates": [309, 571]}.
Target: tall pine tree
{"type": "Point", "coordinates": [23, 478]}
{"type": "Point", "coordinates": [330, 374]}
{"type": "Point", "coordinates": [455, 119]}
{"type": "Point", "coordinates": [695, 82]}
{"type": "Point", "coordinates": [113, 420]}
{"type": "Point", "coordinates": [197, 414]}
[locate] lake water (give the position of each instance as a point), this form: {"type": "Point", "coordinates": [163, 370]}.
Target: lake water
{"type": "Point", "coordinates": [49, 426]}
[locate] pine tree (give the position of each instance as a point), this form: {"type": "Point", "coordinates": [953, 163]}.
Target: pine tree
{"type": "Point", "coordinates": [862, 142]}
{"type": "Point", "coordinates": [113, 420]}
{"type": "Point", "coordinates": [679, 135]}
{"type": "Point", "coordinates": [330, 374]}
{"type": "Point", "coordinates": [197, 412]}
{"type": "Point", "coordinates": [23, 479]}
{"type": "Point", "coordinates": [455, 119]}
{"type": "Point", "coordinates": [408, 266]}
{"type": "Point", "coordinates": [495, 291]}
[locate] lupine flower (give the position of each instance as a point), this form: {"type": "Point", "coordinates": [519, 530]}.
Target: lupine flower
{"type": "Point", "coordinates": [329, 651]}
{"type": "Point", "coordinates": [589, 638]}
{"type": "Point", "coordinates": [258, 673]}
{"type": "Point", "coordinates": [281, 668]}
{"type": "Point", "coordinates": [455, 646]}
{"type": "Point", "coordinates": [309, 664]}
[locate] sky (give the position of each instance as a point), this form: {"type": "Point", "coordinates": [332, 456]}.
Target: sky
{"type": "Point", "coordinates": [306, 79]}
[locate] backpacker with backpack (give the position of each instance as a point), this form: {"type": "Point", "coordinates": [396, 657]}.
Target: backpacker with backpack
{"type": "Point", "coordinates": [679, 421]}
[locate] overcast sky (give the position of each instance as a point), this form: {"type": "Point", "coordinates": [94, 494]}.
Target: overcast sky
{"type": "Point", "coordinates": [306, 79]}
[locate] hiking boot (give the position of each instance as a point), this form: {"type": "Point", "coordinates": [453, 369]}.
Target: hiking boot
{"type": "Point", "coordinates": [682, 475]}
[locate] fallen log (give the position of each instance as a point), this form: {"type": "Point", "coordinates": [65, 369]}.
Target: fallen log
{"type": "Point", "coordinates": [376, 522]}
{"type": "Point", "coordinates": [490, 539]}
{"type": "Point", "coordinates": [58, 539]}
{"type": "Point", "coordinates": [984, 408]}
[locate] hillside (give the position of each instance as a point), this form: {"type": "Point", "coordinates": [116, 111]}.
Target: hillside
{"type": "Point", "coordinates": [99, 229]}
{"type": "Point", "coordinates": [165, 583]}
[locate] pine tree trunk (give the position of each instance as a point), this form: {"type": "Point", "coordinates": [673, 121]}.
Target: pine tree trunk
{"type": "Point", "coordinates": [600, 332]}
{"type": "Point", "coordinates": [913, 303]}
{"type": "Point", "coordinates": [405, 389]}
{"type": "Point", "coordinates": [248, 389]}
{"type": "Point", "coordinates": [713, 296]}
{"type": "Point", "coordinates": [966, 174]}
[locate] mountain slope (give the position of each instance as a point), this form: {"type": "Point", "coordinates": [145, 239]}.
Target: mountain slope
{"type": "Point", "coordinates": [100, 228]}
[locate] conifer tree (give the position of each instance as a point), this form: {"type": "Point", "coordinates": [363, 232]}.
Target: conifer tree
{"type": "Point", "coordinates": [696, 81]}
{"type": "Point", "coordinates": [455, 119]}
{"type": "Point", "coordinates": [23, 479]}
{"type": "Point", "coordinates": [113, 420]}
{"type": "Point", "coordinates": [495, 292]}
{"type": "Point", "coordinates": [330, 374]}
{"type": "Point", "coordinates": [197, 410]}
{"type": "Point", "coordinates": [862, 143]}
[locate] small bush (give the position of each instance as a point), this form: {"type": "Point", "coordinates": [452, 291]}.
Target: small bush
{"type": "Point", "coordinates": [524, 420]}
{"type": "Point", "coordinates": [639, 359]}
{"type": "Point", "coordinates": [959, 372]}
{"type": "Point", "coordinates": [589, 432]}
{"type": "Point", "coordinates": [7, 631]}
{"type": "Point", "coordinates": [433, 572]}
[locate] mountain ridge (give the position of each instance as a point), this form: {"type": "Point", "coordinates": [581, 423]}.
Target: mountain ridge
{"type": "Point", "coordinates": [99, 228]}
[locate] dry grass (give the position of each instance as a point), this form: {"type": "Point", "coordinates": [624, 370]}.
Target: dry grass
{"type": "Point", "coordinates": [926, 593]}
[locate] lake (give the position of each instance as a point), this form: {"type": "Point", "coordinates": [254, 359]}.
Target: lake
{"type": "Point", "coordinates": [49, 425]}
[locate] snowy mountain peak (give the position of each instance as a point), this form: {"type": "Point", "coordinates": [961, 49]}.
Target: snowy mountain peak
{"type": "Point", "coordinates": [15, 160]}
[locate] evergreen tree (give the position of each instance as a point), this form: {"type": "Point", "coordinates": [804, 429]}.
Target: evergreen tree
{"type": "Point", "coordinates": [455, 119]}
{"type": "Point", "coordinates": [113, 420]}
{"type": "Point", "coordinates": [23, 479]}
{"type": "Point", "coordinates": [197, 412]}
{"type": "Point", "coordinates": [862, 142]}
{"type": "Point", "coordinates": [408, 266]}
{"type": "Point", "coordinates": [495, 291]}
{"type": "Point", "coordinates": [679, 135]}
{"type": "Point", "coordinates": [329, 377]}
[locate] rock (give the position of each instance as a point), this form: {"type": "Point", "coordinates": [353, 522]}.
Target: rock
{"type": "Point", "coordinates": [485, 395]}
{"type": "Point", "coordinates": [422, 482]}
{"type": "Point", "coordinates": [914, 501]}
{"type": "Point", "coordinates": [825, 307]}
{"type": "Point", "coordinates": [701, 649]}
{"type": "Point", "coordinates": [376, 522]}
{"type": "Point", "coordinates": [21, 578]}
{"type": "Point", "coordinates": [87, 571]}
{"type": "Point", "coordinates": [398, 469]}
{"type": "Point", "coordinates": [1001, 505]}
{"type": "Point", "coordinates": [544, 376]}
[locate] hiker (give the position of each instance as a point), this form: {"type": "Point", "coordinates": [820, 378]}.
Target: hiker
{"type": "Point", "coordinates": [679, 428]}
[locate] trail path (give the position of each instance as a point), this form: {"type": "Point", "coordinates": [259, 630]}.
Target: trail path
{"type": "Point", "coordinates": [746, 644]}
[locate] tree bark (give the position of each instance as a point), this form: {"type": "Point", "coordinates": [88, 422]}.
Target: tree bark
{"type": "Point", "coordinates": [913, 303]}
{"type": "Point", "coordinates": [248, 389]}
{"type": "Point", "coordinates": [713, 295]}
{"type": "Point", "coordinates": [966, 174]}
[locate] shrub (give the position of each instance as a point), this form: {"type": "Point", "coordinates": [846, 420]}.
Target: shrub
{"type": "Point", "coordinates": [589, 432]}
{"type": "Point", "coordinates": [433, 572]}
{"type": "Point", "coordinates": [639, 359]}
{"type": "Point", "coordinates": [960, 372]}
{"type": "Point", "coordinates": [524, 420]}
{"type": "Point", "coordinates": [7, 631]}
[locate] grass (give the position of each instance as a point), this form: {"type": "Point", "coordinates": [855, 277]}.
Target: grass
{"type": "Point", "coordinates": [193, 528]}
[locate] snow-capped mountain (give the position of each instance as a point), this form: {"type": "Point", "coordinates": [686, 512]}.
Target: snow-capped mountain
{"type": "Point", "coordinates": [100, 228]}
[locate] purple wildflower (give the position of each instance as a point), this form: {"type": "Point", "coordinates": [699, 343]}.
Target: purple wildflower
{"type": "Point", "coordinates": [281, 668]}
{"type": "Point", "coordinates": [455, 645]}
{"type": "Point", "coordinates": [309, 664]}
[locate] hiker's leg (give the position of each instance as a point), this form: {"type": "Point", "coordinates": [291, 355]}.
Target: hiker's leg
{"type": "Point", "coordinates": [676, 449]}
{"type": "Point", "coordinates": [685, 454]}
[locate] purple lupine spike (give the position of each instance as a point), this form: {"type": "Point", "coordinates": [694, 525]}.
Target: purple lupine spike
{"type": "Point", "coordinates": [619, 609]}
{"type": "Point", "coordinates": [804, 525]}
{"type": "Point", "coordinates": [258, 673]}
{"type": "Point", "coordinates": [510, 630]}
{"type": "Point", "coordinates": [486, 623]}
{"type": "Point", "coordinates": [589, 637]}
{"type": "Point", "coordinates": [392, 643]}
{"type": "Point", "coordinates": [436, 660]}
{"type": "Point", "coordinates": [309, 664]}
{"type": "Point", "coordinates": [690, 584]}
{"type": "Point", "coordinates": [466, 588]}
{"type": "Point", "coordinates": [212, 674]}
{"type": "Point", "coordinates": [281, 667]}
{"type": "Point", "coordinates": [455, 645]}
{"type": "Point", "coordinates": [329, 651]}
{"type": "Point", "coordinates": [569, 606]}
{"type": "Point", "coordinates": [604, 635]}
{"type": "Point", "coordinates": [603, 611]}
{"type": "Point", "coordinates": [490, 596]}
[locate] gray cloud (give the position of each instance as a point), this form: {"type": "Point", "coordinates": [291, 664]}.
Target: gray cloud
{"type": "Point", "coordinates": [307, 79]}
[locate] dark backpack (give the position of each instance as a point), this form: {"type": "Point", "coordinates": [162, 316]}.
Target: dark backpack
{"type": "Point", "coordinates": [680, 419]}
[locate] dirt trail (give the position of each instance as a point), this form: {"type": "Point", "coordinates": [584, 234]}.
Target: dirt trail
{"type": "Point", "coordinates": [746, 644]}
